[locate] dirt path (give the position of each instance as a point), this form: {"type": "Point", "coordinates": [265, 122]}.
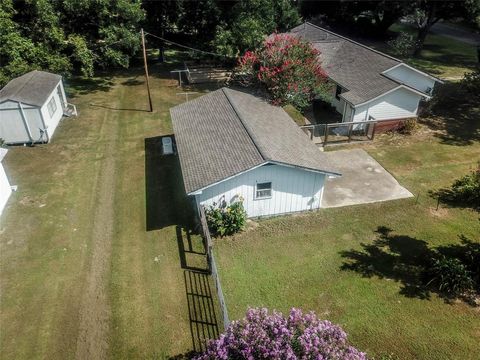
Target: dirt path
{"type": "Point", "coordinates": [92, 342]}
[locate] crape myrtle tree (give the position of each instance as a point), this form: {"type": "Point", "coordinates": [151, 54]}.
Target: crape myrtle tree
{"type": "Point", "coordinates": [288, 67]}
{"type": "Point", "coordinates": [264, 335]}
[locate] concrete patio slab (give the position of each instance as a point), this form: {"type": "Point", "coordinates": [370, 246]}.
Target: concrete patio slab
{"type": "Point", "coordinates": [363, 181]}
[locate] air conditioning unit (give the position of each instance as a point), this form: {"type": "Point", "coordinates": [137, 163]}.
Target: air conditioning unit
{"type": "Point", "coordinates": [167, 145]}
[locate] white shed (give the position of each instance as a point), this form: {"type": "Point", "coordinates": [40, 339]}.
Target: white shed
{"type": "Point", "coordinates": [232, 144]}
{"type": "Point", "coordinates": [5, 189]}
{"type": "Point", "coordinates": [31, 106]}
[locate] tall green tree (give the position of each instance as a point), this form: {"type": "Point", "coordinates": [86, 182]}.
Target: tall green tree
{"type": "Point", "coordinates": [250, 21]}
{"type": "Point", "coordinates": [68, 35]}
{"type": "Point", "coordinates": [426, 13]}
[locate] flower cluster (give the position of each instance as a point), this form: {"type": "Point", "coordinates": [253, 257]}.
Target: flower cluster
{"type": "Point", "coordinates": [288, 67]}
{"type": "Point", "coordinates": [261, 335]}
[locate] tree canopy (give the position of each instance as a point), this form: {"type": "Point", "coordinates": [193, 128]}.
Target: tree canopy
{"type": "Point", "coordinates": [68, 35]}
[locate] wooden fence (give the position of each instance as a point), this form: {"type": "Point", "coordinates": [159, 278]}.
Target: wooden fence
{"type": "Point", "coordinates": [212, 265]}
{"type": "Point", "coordinates": [340, 133]}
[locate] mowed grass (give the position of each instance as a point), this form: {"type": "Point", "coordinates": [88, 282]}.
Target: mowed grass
{"type": "Point", "coordinates": [441, 56]}
{"type": "Point", "coordinates": [46, 229]}
{"type": "Point", "coordinates": [303, 260]}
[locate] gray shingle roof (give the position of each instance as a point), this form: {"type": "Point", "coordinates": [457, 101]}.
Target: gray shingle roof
{"type": "Point", "coordinates": [227, 131]}
{"type": "Point", "coordinates": [31, 88]}
{"type": "Point", "coordinates": [351, 65]}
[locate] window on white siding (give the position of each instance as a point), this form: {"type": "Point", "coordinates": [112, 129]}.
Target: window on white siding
{"type": "Point", "coordinates": [263, 190]}
{"type": "Point", "coordinates": [52, 107]}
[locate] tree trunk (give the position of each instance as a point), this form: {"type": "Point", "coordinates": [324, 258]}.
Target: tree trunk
{"type": "Point", "coordinates": [425, 25]}
{"type": "Point", "coordinates": [421, 36]}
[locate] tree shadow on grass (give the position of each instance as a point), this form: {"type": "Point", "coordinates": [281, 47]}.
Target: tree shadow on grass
{"type": "Point", "coordinates": [396, 257]}
{"type": "Point", "coordinates": [455, 115]}
{"type": "Point", "coordinates": [405, 259]}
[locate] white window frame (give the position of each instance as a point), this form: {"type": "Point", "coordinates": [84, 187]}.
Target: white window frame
{"type": "Point", "coordinates": [52, 106]}
{"type": "Point", "coordinates": [269, 196]}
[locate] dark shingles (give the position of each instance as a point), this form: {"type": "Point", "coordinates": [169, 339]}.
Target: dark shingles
{"type": "Point", "coordinates": [353, 66]}
{"type": "Point", "coordinates": [227, 131]}
{"type": "Point", "coordinates": [212, 144]}
{"type": "Point", "coordinates": [32, 88]}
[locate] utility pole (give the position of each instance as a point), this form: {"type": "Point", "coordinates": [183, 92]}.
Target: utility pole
{"type": "Point", "coordinates": [146, 70]}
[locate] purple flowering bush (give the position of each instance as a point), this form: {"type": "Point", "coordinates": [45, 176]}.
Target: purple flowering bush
{"type": "Point", "coordinates": [261, 335]}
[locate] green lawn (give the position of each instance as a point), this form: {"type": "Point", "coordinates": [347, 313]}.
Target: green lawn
{"type": "Point", "coordinates": [337, 262]}
{"type": "Point", "coordinates": [90, 257]}
{"type": "Point", "coordinates": [441, 56]}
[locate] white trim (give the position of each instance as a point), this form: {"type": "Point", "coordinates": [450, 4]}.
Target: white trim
{"type": "Point", "coordinates": [411, 68]}
{"type": "Point", "coordinates": [402, 86]}
{"type": "Point", "coordinates": [199, 191]}
{"type": "Point", "coordinates": [305, 168]}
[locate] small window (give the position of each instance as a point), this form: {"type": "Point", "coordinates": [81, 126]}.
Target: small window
{"type": "Point", "coordinates": [264, 190]}
{"type": "Point", "coordinates": [52, 107]}
{"type": "Point", "coordinates": [338, 91]}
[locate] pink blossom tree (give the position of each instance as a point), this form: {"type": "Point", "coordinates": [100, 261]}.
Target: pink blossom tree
{"type": "Point", "coordinates": [288, 67]}
{"type": "Point", "coordinates": [264, 335]}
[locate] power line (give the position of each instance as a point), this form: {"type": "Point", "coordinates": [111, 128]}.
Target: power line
{"type": "Point", "coordinates": [188, 47]}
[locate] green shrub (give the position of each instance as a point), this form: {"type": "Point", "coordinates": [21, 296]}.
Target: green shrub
{"type": "Point", "coordinates": [471, 82]}
{"type": "Point", "coordinates": [403, 45]}
{"type": "Point", "coordinates": [450, 275]}
{"type": "Point", "coordinates": [227, 219]}
{"type": "Point", "coordinates": [464, 191]}
{"type": "Point", "coordinates": [409, 126]}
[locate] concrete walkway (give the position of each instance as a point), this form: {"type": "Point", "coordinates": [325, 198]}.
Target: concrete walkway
{"type": "Point", "coordinates": [363, 181]}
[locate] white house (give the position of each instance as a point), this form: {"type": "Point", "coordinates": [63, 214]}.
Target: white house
{"type": "Point", "coordinates": [232, 144]}
{"type": "Point", "coordinates": [31, 106]}
{"type": "Point", "coordinates": [5, 189]}
{"type": "Point", "coordinates": [370, 85]}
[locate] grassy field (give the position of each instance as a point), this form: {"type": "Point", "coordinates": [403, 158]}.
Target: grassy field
{"type": "Point", "coordinates": [358, 266]}
{"type": "Point", "coordinates": [441, 56]}
{"type": "Point", "coordinates": [93, 244]}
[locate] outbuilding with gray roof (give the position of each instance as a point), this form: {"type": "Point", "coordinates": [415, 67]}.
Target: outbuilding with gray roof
{"type": "Point", "coordinates": [235, 145]}
{"type": "Point", "coordinates": [31, 106]}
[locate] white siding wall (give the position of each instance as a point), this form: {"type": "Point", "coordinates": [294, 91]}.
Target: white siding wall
{"type": "Point", "coordinates": [411, 77]}
{"type": "Point", "coordinates": [398, 104]}
{"type": "Point", "coordinates": [347, 117]}
{"type": "Point", "coordinates": [12, 127]}
{"type": "Point", "coordinates": [292, 190]}
{"type": "Point", "coordinates": [5, 189]}
{"type": "Point", "coordinates": [336, 103]}
{"type": "Point", "coordinates": [52, 122]}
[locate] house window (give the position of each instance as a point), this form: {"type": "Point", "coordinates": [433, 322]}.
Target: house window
{"type": "Point", "coordinates": [263, 190]}
{"type": "Point", "coordinates": [52, 107]}
{"type": "Point", "coordinates": [338, 91]}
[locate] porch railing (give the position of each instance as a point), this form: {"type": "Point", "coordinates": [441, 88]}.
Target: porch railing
{"type": "Point", "coordinates": [338, 133]}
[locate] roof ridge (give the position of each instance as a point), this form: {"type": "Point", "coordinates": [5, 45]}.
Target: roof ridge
{"type": "Point", "coordinates": [355, 42]}
{"type": "Point", "coordinates": [25, 82]}
{"type": "Point", "coordinates": [237, 112]}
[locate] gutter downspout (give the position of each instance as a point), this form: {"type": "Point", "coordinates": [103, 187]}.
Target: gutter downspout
{"type": "Point", "coordinates": [25, 122]}
{"type": "Point", "coordinates": [45, 130]}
